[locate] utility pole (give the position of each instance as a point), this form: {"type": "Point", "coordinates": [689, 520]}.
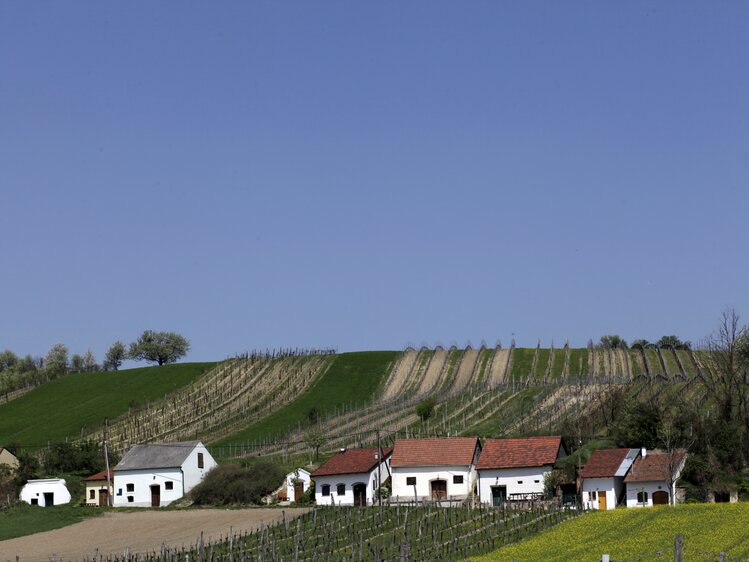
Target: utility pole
{"type": "Point", "coordinates": [110, 490]}
{"type": "Point", "coordinates": [379, 471]}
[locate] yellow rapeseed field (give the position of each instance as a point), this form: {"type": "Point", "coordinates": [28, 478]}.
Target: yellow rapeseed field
{"type": "Point", "coordinates": [641, 533]}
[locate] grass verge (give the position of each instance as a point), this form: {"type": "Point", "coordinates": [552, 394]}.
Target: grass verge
{"type": "Point", "coordinates": [27, 519]}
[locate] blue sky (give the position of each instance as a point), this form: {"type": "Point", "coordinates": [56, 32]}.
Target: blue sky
{"type": "Point", "coordinates": [367, 175]}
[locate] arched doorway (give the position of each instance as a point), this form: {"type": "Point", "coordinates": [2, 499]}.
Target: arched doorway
{"type": "Point", "coordinates": [660, 498]}
{"type": "Point", "coordinates": [439, 489]}
{"type": "Point", "coordinates": [360, 495]}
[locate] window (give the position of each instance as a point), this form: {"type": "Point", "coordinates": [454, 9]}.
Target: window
{"type": "Point", "coordinates": [169, 485]}
{"type": "Point", "coordinates": [130, 487]}
{"type": "Point", "coordinates": [119, 491]}
{"type": "Point", "coordinates": [130, 499]}
{"type": "Point", "coordinates": [536, 481]}
{"type": "Point", "coordinates": [340, 489]}
{"type": "Point", "coordinates": [34, 501]}
{"type": "Point", "coordinates": [458, 479]}
{"type": "Point", "coordinates": [520, 481]}
{"type": "Point", "coordinates": [200, 460]}
{"type": "Point", "coordinates": [92, 494]}
{"type": "Point", "coordinates": [326, 490]}
{"type": "Point", "coordinates": [642, 497]}
{"type": "Point", "coordinates": [593, 496]}
{"type": "Point", "coordinates": [410, 480]}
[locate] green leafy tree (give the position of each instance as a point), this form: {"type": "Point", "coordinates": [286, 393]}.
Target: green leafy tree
{"type": "Point", "coordinates": [114, 356]}
{"type": "Point", "coordinates": [425, 408]}
{"type": "Point", "coordinates": [231, 484]}
{"type": "Point", "coordinates": [641, 343]}
{"type": "Point", "coordinates": [8, 360]}
{"type": "Point", "coordinates": [669, 341]}
{"type": "Point", "coordinates": [76, 363]}
{"type": "Point", "coordinates": [314, 439]}
{"type": "Point", "coordinates": [56, 361]}
{"type": "Point", "coordinates": [613, 342]}
{"type": "Point", "coordinates": [159, 347]}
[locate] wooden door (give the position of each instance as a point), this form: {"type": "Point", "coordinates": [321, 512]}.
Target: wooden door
{"type": "Point", "coordinates": [49, 499]}
{"type": "Point", "coordinates": [298, 491]}
{"type": "Point", "coordinates": [155, 495]}
{"type": "Point", "coordinates": [602, 500]}
{"type": "Point", "coordinates": [103, 498]}
{"type": "Point", "coordinates": [499, 495]}
{"type": "Point", "coordinates": [439, 489]}
{"type": "Point", "coordinates": [660, 498]}
{"type": "Point", "coordinates": [360, 495]}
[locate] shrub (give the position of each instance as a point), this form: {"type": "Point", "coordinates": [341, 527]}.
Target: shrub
{"type": "Point", "coordinates": [425, 408]}
{"type": "Point", "coordinates": [232, 484]}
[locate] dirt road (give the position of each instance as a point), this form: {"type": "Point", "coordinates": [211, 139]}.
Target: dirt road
{"type": "Point", "coordinates": [143, 532]}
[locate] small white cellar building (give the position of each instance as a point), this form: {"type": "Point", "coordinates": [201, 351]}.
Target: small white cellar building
{"type": "Point", "coordinates": [45, 492]}
{"type": "Point", "coordinates": [156, 475]}
{"type": "Point", "coordinates": [603, 477]}
{"type": "Point", "coordinates": [352, 476]}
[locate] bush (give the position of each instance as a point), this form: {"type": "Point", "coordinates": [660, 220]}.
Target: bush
{"type": "Point", "coordinates": [232, 484]}
{"type": "Point", "coordinates": [425, 408]}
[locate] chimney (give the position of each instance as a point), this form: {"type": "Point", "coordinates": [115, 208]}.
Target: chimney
{"type": "Point", "coordinates": [644, 452]}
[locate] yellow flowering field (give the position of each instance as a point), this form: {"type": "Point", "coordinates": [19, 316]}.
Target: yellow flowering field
{"type": "Point", "coordinates": [708, 529]}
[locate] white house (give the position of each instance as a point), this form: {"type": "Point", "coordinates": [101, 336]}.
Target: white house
{"type": "Point", "coordinates": [45, 492]}
{"type": "Point", "coordinates": [603, 477]}
{"type": "Point", "coordinates": [297, 483]}
{"type": "Point", "coordinates": [514, 469]}
{"type": "Point", "coordinates": [648, 481]}
{"type": "Point", "coordinates": [434, 468]}
{"type": "Point", "coordinates": [156, 475]}
{"type": "Point", "coordinates": [352, 476]}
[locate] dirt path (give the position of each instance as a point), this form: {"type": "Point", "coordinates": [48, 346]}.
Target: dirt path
{"type": "Point", "coordinates": [143, 532]}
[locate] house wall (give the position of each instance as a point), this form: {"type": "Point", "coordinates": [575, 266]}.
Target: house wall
{"type": "Point", "coordinates": [634, 488]}
{"type": "Point", "coordinates": [612, 487]}
{"type": "Point", "coordinates": [302, 475]}
{"type": "Point", "coordinates": [97, 486]}
{"type": "Point", "coordinates": [425, 475]}
{"type": "Point", "coordinates": [368, 478]}
{"type": "Point", "coordinates": [142, 480]}
{"type": "Point", "coordinates": [518, 481]}
{"type": "Point", "coordinates": [35, 490]}
{"type": "Point", "coordinates": [193, 474]}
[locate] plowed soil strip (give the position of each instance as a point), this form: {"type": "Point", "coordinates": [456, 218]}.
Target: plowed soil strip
{"type": "Point", "coordinates": [433, 372]}
{"type": "Point", "coordinates": [400, 377]}
{"type": "Point", "coordinates": [143, 532]}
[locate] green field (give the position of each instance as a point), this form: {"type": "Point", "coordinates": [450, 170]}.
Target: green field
{"type": "Point", "coordinates": [351, 378]}
{"type": "Point", "coordinates": [639, 534]}
{"type": "Point", "coordinates": [28, 519]}
{"type": "Point", "coordinates": [60, 408]}
{"type": "Point", "coordinates": [522, 361]}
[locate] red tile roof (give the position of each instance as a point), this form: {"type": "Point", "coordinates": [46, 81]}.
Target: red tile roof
{"type": "Point", "coordinates": [434, 451]}
{"type": "Point", "coordinates": [516, 453]}
{"type": "Point", "coordinates": [101, 475]}
{"type": "Point", "coordinates": [604, 463]}
{"type": "Point", "coordinates": [655, 466]}
{"type": "Point", "coordinates": [351, 461]}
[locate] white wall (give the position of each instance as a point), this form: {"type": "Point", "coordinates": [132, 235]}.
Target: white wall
{"type": "Point", "coordinates": [35, 490]}
{"type": "Point", "coordinates": [142, 480]}
{"type": "Point", "coordinates": [518, 481]}
{"type": "Point", "coordinates": [424, 476]}
{"type": "Point", "coordinates": [301, 475]}
{"type": "Point", "coordinates": [634, 488]}
{"type": "Point", "coordinates": [612, 487]}
{"type": "Point", "coordinates": [193, 474]}
{"type": "Point", "coordinates": [368, 478]}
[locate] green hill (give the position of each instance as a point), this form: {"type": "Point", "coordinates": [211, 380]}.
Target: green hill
{"type": "Point", "coordinates": [351, 378]}
{"type": "Point", "coordinates": [60, 408]}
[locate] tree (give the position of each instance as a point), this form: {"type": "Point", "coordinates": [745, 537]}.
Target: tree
{"type": "Point", "coordinates": [159, 347]}
{"type": "Point", "coordinates": [669, 341]}
{"type": "Point", "coordinates": [89, 362]}
{"type": "Point", "coordinates": [314, 439]}
{"type": "Point", "coordinates": [76, 363]}
{"type": "Point", "coordinates": [56, 362]}
{"type": "Point", "coordinates": [115, 355]}
{"type": "Point", "coordinates": [8, 360]}
{"type": "Point", "coordinates": [425, 408]}
{"type": "Point", "coordinates": [613, 342]}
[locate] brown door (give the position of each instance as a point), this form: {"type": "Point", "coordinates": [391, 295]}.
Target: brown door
{"type": "Point", "coordinates": [298, 491]}
{"type": "Point", "coordinates": [439, 489]}
{"type": "Point", "coordinates": [602, 500]}
{"type": "Point", "coordinates": [660, 498]}
{"type": "Point", "coordinates": [155, 495]}
{"type": "Point", "coordinates": [103, 498]}
{"type": "Point", "coordinates": [360, 495]}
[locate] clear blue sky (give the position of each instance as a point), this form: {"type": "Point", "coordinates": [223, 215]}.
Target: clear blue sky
{"type": "Point", "coordinates": [367, 175]}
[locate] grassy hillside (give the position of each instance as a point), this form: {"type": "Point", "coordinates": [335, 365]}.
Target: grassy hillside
{"type": "Point", "coordinates": [639, 534]}
{"type": "Point", "coordinates": [60, 408]}
{"type": "Point", "coordinates": [351, 378]}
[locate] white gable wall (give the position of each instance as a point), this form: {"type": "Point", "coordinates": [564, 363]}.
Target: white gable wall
{"type": "Point", "coordinates": [299, 475]}
{"type": "Point", "coordinates": [194, 474]}
{"type": "Point", "coordinates": [611, 486]}
{"type": "Point", "coordinates": [348, 480]}
{"type": "Point", "coordinates": [141, 481]}
{"type": "Point", "coordinates": [425, 475]}
{"type": "Point", "coordinates": [522, 480]}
